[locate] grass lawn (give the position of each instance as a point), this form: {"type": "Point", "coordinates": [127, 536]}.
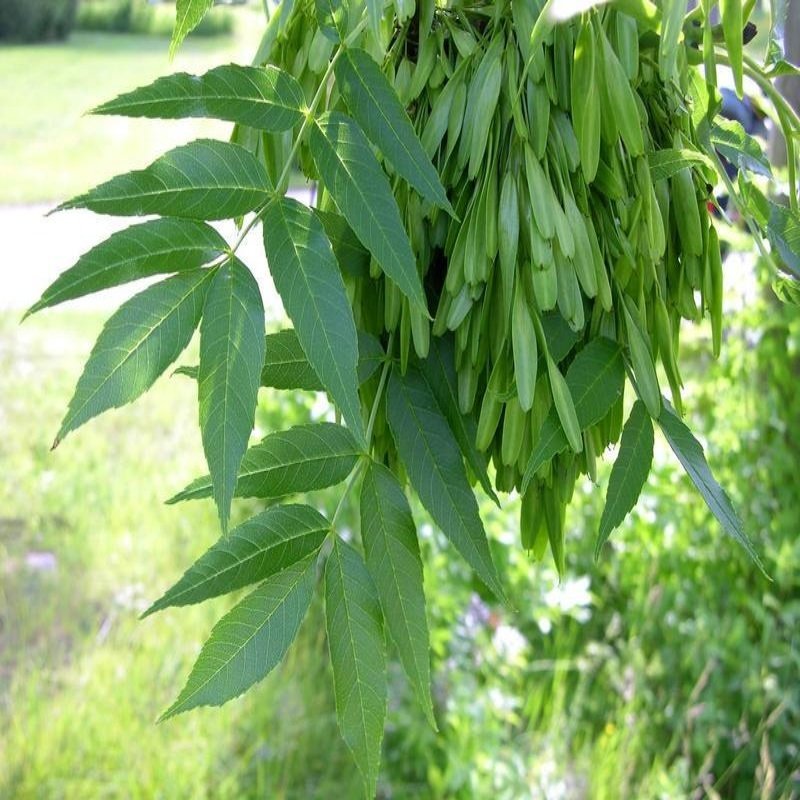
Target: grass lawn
{"type": "Point", "coordinates": [51, 149]}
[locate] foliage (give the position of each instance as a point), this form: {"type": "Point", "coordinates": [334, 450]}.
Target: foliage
{"type": "Point", "coordinates": [508, 217]}
{"type": "Point", "coordinates": [36, 20]}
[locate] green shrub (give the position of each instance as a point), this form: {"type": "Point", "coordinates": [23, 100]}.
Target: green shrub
{"type": "Point", "coordinates": [138, 16]}
{"type": "Point", "coordinates": [36, 20]}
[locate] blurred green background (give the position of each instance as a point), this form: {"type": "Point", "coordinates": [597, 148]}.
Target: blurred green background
{"type": "Point", "coordinates": [669, 669]}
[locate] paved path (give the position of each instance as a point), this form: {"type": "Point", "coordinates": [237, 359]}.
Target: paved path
{"type": "Point", "coordinates": [37, 248]}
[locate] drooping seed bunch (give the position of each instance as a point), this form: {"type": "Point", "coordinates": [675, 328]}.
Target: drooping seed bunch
{"type": "Point", "coordinates": [581, 199]}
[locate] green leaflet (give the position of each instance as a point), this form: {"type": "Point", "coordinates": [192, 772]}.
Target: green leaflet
{"type": "Point", "coordinates": [352, 256]}
{"type": "Point", "coordinates": [595, 379]}
{"type": "Point", "coordinates": [308, 280]}
{"type": "Point", "coordinates": [434, 464]}
{"type": "Point", "coordinates": [690, 453]}
{"type": "Point", "coordinates": [188, 14]}
{"type": "Point", "coordinates": [629, 473]}
{"type": "Point", "coordinates": [204, 179]}
{"type": "Point", "coordinates": [439, 373]}
{"type": "Point", "coordinates": [265, 544]}
{"type": "Point", "coordinates": [139, 341]}
{"type": "Point", "coordinates": [732, 141]}
{"type": "Point", "coordinates": [231, 354]}
{"type": "Point", "coordinates": [353, 176]}
{"type": "Point", "coordinates": [140, 251]}
{"type": "Point", "coordinates": [374, 103]}
{"type": "Point", "coordinates": [286, 366]}
{"type": "Point", "coordinates": [668, 162]}
{"type": "Point", "coordinates": [250, 640]}
{"type": "Point", "coordinates": [266, 98]}
{"type": "Point", "coordinates": [300, 459]}
{"type": "Point", "coordinates": [333, 18]}
{"type": "Point", "coordinates": [392, 551]}
{"type": "Point", "coordinates": [358, 657]}
{"type": "Point", "coordinates": [783, 229]}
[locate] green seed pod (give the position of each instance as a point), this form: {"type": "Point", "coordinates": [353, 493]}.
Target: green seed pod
{"type": "Point", "coordinates": [642, 360]}
{"type": "Point", "coordinates": [514, 419]}
{"type": "Point", "coordinates": [565, 408]}
{"type": "Point", "coordinates": [508, 238]}
{"type": "Point", "coordinates": [491, 408]}
{"type": "Point", "coordinates": [525, 350]}
{"type": "Point", "coordinates": [586, 107]}
{"type": "Point", "coordinates": [686, 213]}
{"type": "Point", "coordinates": [715, 271]}
{"type": "Point", "coordinates": [542, 198]}
{"type": "Point", "coordinates": [545, 286]}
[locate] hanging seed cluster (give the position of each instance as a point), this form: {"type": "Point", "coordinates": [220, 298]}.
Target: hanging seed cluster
{"type": "Point", "coordinates": [565, 229]}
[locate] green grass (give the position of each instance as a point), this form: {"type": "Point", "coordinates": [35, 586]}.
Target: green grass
{"type": "Point", "coordinates": [51, 149]}
{"type": "Point", "coordinates": [82, 680]}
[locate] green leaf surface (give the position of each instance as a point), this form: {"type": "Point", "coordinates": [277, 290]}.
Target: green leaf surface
{"type": "Point", "coordinates": [690, 453]}
{"type": "Point", "coordinates": [595, 378]}
{"type": "Point", "coordinates": [361, 190]}
{"type": "Point", "coordinates": [629, 473]}
{"type": "Point", "coordinates": [783, 230]}
{"type": "Point", "coordinates": [738, 147]}
{"type": "Point", "coordinates": [265, 544]}
{"type": "Point", "coordinates": [266, 98]}
{"type": "Point", "coordinates": [434, 464]}
{"type": "Point", "coordinates": [333, 18]}
{"type": "Point", "coordinates": [250, 640]}
{"type": "Point", "coordinates": [352, 256]}
{"type": "Point", "coordinates": [301, 459]}
{"type": "Point", "coordinates": [438, 369]}
{"type": "Point", "coordinates": [668, 162]}
{"type": "Point", "coordinates": [392, 551]}
{"type": "Point", "coordinates": [151, 248]}
{"type": "Point", "coordinates": [308, 280]}
{"type": "Point", "coordinates": [139, 341]}
{"type": "Point", "coordinates": [286, 366]}
{"type": "Point", "coordinates": [374, 103]}
{"type": "Point", "coordinates": [559, 336]}
{"type": "Point", "coordinates": [204, 179]}
{"type": "Point", "coordinates": [188, 14]}
{"type": "Point", "coordinates": [358, 657]}
{"type": "Point", "coordinates": [231, 357]}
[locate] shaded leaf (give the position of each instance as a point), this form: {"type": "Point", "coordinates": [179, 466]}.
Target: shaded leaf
{"type": "Point", "coordinates": [301, 459]}
{"type": "Point", "coordinates": [595, 380]}
{"type": "Point", "coordinates": [361, 190]}
{"type": "Point", "coordinates": [783, 230]}
{"type": "Point", "coordinates": [352, 256]}
{"type": "Point", "coordinates": [308, 280]}
{"type": "Point", "coordinates": [266, 98]}
{"type": "Point", "coordinates": [204, 179]}
{"type": "Point", "coordinates": [140, 251]}
{"type": "Point", "coordinates": [250, 640]}
{"type": "Point", "coordinates": [690, 454]}
{"type": "Point", "coordinates": [392, 551]}
{"type": "Point", "coordinates": [332, 18]}
{"type": "Point", "coordinates": [358, 657]}
{"type": "Point", "coordinates": [374, 103]}
{"type": "Point", "coordinates": [139, 341]}
{"type": "Point", "coordinates": [629, 473]}
{"type": "Point", "coordinates": [265, 544]}
{"type": "Point", "coordinates": [231, 355]}
{"type": "Point", "coordinates": [434, 464]}
{"type": "Point", "coordinates": [439, 371]}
